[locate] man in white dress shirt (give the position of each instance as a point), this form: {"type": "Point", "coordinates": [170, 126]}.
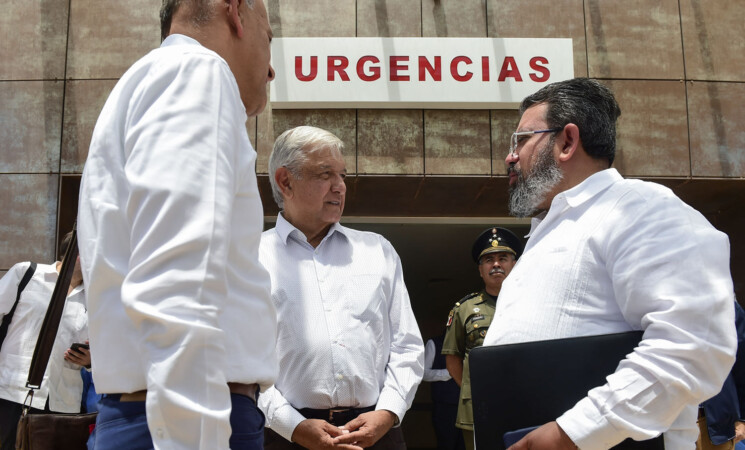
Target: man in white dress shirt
{"type": "Point", "coordinates": [182, 327]}
{"type": "Point", "coordinates": [607, 255]}
{"type": "Point", "coordinates": [350, 353]}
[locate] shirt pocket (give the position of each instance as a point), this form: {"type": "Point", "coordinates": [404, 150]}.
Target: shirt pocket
{"type": "Point", "coordinates": [476, 330]}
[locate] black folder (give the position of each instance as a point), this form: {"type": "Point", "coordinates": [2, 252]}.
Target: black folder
{"type": "Point", "coordinates": [517, 386]}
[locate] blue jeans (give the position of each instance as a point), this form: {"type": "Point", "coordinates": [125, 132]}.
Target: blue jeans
{"type": "Point", "coordinates": [123, 425]}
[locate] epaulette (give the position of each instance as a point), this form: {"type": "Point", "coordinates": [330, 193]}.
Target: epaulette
{"type": "Point", "coordinates": [467, 297]}
{"type": "Point", "coordinates": [457, 304]}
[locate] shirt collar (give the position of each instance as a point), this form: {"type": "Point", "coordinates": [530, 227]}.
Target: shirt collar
{"type": "Point", "coordinates": [576, 196]}
{"type": "Point", "coordinates": [179, 39]}
{"type": "Point", "coordinates": [485, 297]}
{"type": "Point", "coordinates": [590, 187]}
{"type": "Point", "coordinates": [284, 229]}
{"type": "Point", "coordinates": [51, 275]}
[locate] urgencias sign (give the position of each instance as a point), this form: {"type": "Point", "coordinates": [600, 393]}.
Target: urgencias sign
{"type": "Point", "coordinates": [446, 73]}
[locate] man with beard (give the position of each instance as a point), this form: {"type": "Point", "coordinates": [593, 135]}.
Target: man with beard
{"type": "Point", "coordinates": [608, 255]}
{"type": "Point", "coordinates": [495, 251]}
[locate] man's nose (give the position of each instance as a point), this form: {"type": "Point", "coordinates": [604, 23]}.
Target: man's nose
{"type": "Point", "coordinates": [339, 185]}
{"type": "Point", "coordinates": [511, 158]}
{"type": "Point", "coordinates": [270, 75]}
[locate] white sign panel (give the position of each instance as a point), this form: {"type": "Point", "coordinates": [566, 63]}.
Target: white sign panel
{"type": "Point", "coordinates": [473, 73]}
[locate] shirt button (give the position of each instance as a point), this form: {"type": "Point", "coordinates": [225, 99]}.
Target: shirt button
{"type": "Point", "coordinates": [339, 376]}
{"type": "Point", "coordinates": [159, 433]}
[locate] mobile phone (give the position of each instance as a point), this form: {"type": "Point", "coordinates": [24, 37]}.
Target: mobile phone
{"type": "Point", "coordinates": [512, 437]}
{"type": "Point", "coordinates": [76, 346]}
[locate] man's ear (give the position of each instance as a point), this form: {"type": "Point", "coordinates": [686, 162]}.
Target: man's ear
{"type": "Point", "coordinates": [234, 16]}
{"type": "Point", "coordinates": [284, 182]}
{"type": "Point", "coordinates": [571, 142]}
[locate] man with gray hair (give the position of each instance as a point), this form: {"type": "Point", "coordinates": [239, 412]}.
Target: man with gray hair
{"type": "Point", "coordinates": [349, 348]}
{"type": "Point", "coordinates": [182, 327]}
{"type": "Point", "coordinates": [609, 255]}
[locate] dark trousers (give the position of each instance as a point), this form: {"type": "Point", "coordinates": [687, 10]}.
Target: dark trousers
{"type": "Point", "coordinates": [124, 425]}
{"type": "Point", "coordinates": [10, 414]}
{"type": "Point", "coordinates": [392, 440]}
{"type": "Point", "coordinates": [443, 419]}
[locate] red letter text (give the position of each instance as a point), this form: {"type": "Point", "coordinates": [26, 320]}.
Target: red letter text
{"type": "Point", "coordinates": [337, 64]}
{"type": "Point", "coordinates": [434, 72]}
{"type": "Point", "coordinates": [454, 68]}
{"type": "Point", "coordinates": [374, 70]}
{"type": "Point", "coordinates": [534, 64]}
{"type": "Point", "coordinates": [299, 68]}
{"type": "Point", "coordinates": [509, 69]}
{"type": "Point", "coordinates": [396, 68]}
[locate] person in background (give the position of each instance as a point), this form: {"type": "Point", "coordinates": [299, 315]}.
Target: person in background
{"type": "Point", "coordinates": [495, 251]}
{"type": "Point", "coordinates": [721, 419]}
{"type": "Point", "coordinates": [183, 328]}
{"type": "Point", "coordinates": [609, 255]}
{"type": "Point", "coordinates": [62, 387]}
{"type": "Point", "coordinates": [350, 353]}
{"type": "Point", "coordinates": [445, 393]}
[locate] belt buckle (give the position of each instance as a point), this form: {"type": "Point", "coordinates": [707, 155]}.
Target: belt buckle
{"type": "Point", "coordinates": [333, 411]}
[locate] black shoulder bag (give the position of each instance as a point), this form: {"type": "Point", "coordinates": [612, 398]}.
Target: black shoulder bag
{"type": "Point", "coordinates": [21, 286]}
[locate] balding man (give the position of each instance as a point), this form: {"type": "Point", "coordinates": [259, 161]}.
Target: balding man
{"type": "Point", "coordinates": [182, 325]}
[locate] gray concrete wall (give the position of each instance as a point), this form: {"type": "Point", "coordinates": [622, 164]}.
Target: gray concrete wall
{"type": "Point", "coordinates": [677, 66]}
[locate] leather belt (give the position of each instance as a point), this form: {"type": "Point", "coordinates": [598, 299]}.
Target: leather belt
{"type": "Point", "coordinates": [248, 390]}
{"type": "Point", "coordinates": [335, 416]}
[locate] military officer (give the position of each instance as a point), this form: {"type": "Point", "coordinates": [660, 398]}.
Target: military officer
{"type": "Point", "coordinates": [495, 251]}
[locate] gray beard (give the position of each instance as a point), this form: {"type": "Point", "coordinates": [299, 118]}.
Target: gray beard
{"type": "Point", "coordinates": [528, 193]}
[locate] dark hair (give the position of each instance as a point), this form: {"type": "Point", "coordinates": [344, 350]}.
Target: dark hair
{"type": "Point", "coordinates": [201, 13]}
{"type": "Point", "coordinates": [64, 243]}
{"type": "Point", "coordinates": [586, 103]}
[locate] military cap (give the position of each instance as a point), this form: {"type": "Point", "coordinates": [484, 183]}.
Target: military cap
{"type": "Point", "coordinates": [494, 240]}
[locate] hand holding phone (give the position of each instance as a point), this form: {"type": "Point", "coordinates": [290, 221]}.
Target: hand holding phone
{"type": "Point", "coordinates": [76, 346]}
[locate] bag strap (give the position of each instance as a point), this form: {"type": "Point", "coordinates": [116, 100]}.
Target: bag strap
{"type": "Point", "coordinates": [54, 313]}
{"type": "Point", "coordinates": [21, 286]}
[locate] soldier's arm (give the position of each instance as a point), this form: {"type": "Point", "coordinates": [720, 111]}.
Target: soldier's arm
{"type": "Point", "coordinates": [454, 364]}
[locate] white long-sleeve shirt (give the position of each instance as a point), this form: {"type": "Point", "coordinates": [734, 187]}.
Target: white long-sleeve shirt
{"type": "Point", "coordinates": [430, 374]}
{"type": "Point", "coordinates": [169, 224]}
{"type": "Point", "coordinates": [347, 334]}
{"type": "Point", "coordinates": [61, 384]}
{"type": "Point", "coordinates": [614, 255]}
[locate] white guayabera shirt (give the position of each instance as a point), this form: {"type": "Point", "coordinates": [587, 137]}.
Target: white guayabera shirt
{"type": "Point", "coordinates": [614, 255]}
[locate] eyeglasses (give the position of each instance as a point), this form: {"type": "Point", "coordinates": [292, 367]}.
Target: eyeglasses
{"type": "Point", "coordinates": [515, 137]}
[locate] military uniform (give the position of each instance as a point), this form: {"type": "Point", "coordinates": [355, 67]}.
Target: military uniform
{"type": "Point", "coordinates": [467, 325]}
{"type": "Point", "coordinates": [470, 318]}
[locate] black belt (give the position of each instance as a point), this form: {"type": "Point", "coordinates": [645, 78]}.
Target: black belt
{"type": "Point", "coordinates": [335, 416]}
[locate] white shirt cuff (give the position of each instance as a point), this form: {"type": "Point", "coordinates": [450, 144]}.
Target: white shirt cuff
{"type": "Point", "coordinates": [285, 420]}
{"type": "Point", "coordinates": [393, 402]}
{"type": "Point", "coordinates": [588, 428]}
